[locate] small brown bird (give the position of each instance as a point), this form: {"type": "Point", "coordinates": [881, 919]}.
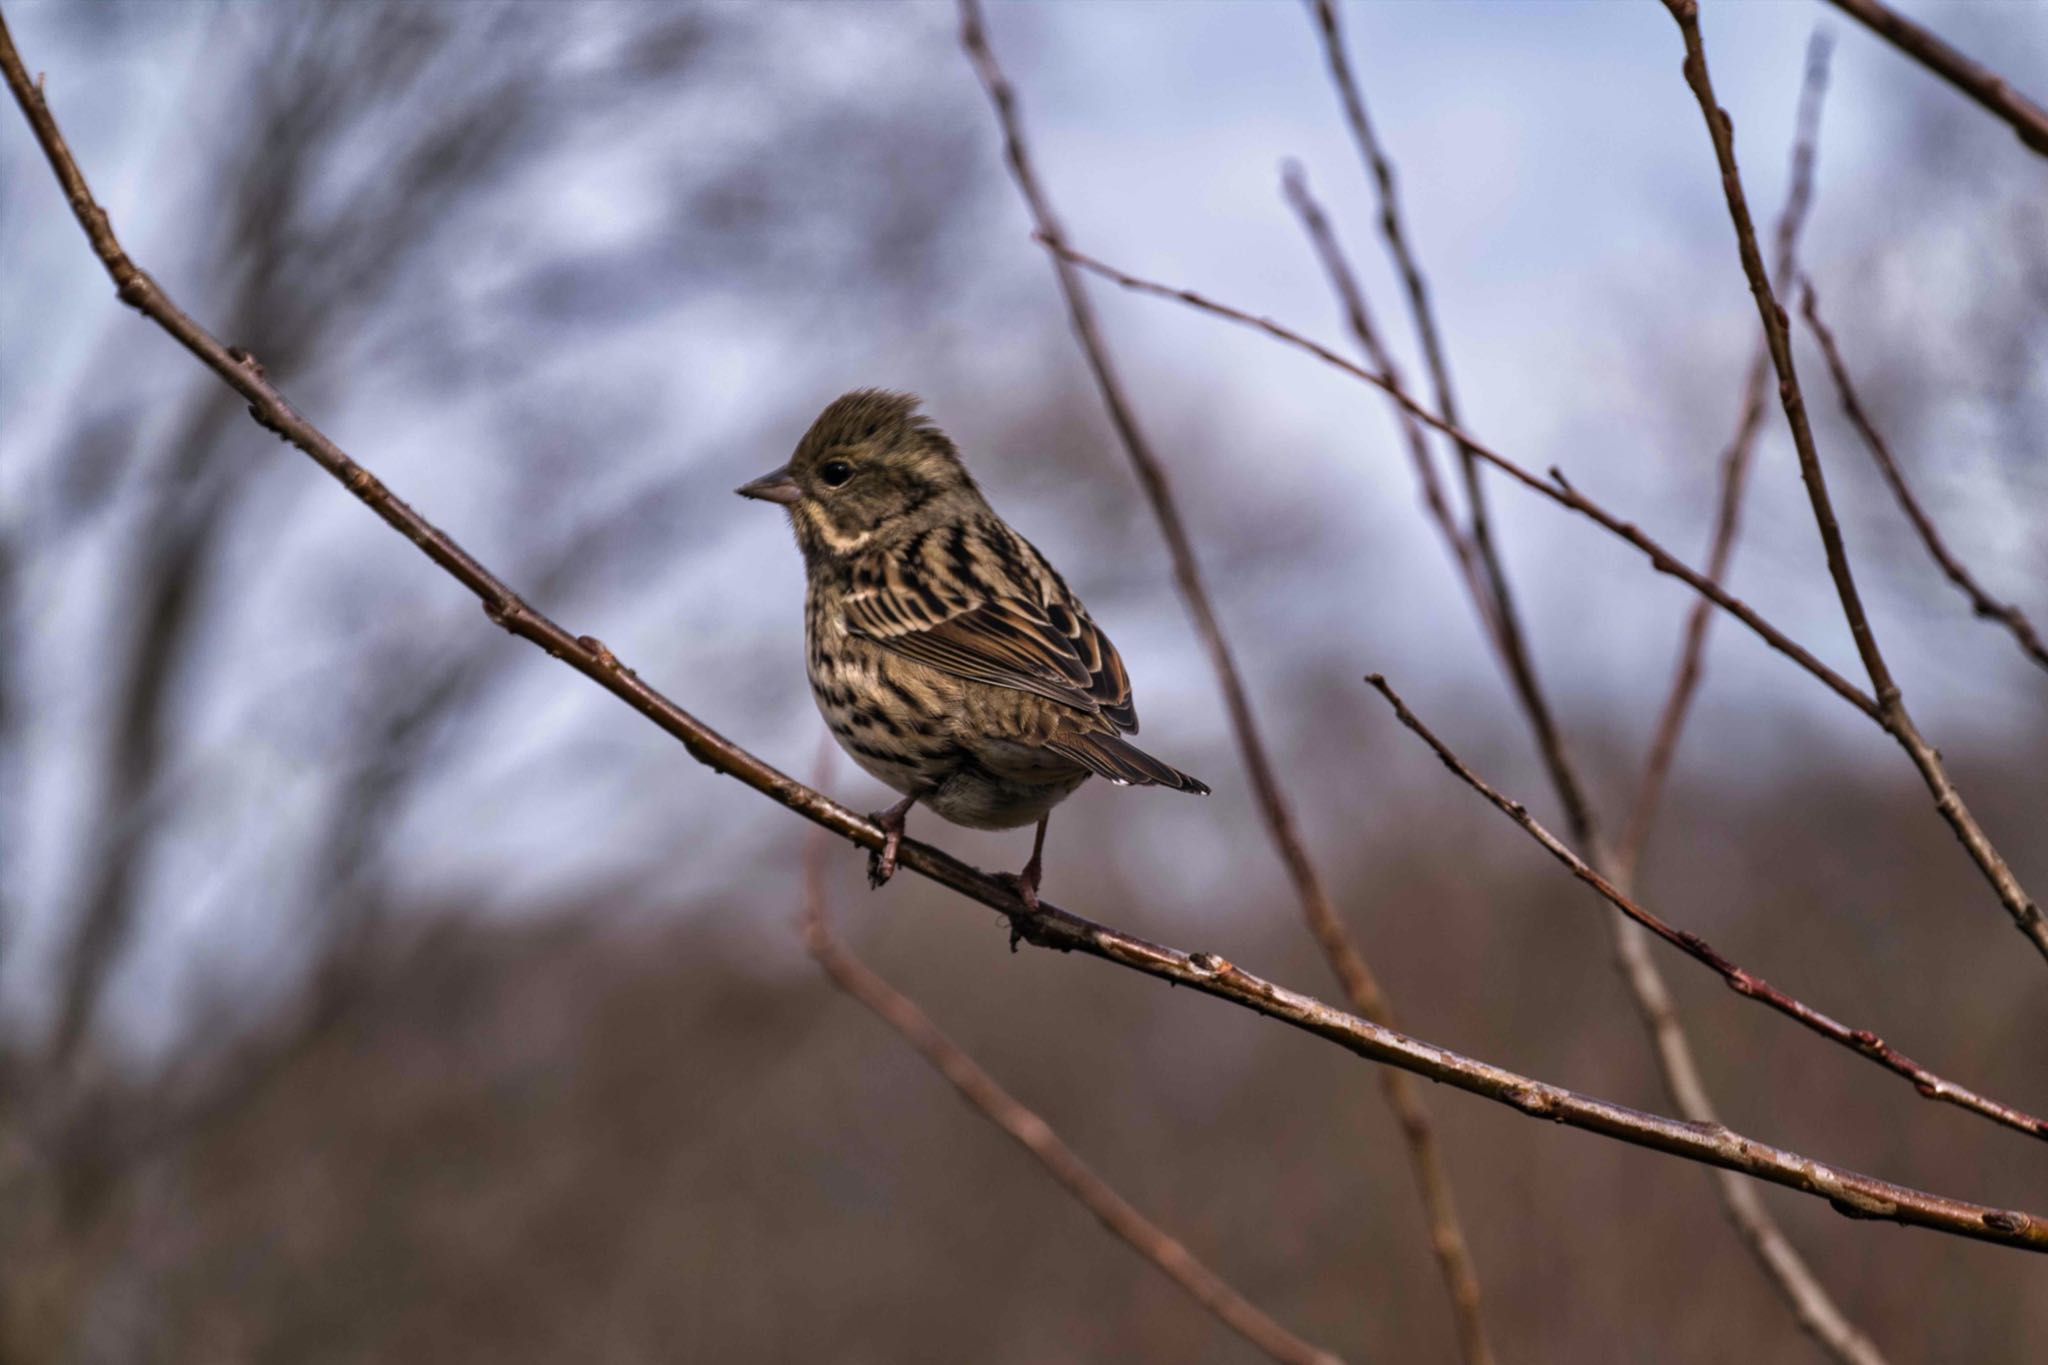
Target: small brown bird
{"type": "Point", "coordinates": [947, 656]}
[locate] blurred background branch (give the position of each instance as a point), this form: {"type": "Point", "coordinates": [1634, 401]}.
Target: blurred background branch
{"type": "Point", "coordinates": [1979, 82]}
{"type": "Point", "coordinates": [1027, 1129]}
{"type": "Point", "coordinates": [1981, 602]}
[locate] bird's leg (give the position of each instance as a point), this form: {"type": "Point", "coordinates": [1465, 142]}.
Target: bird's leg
{"type": "Point", "coordinates": [882, 861]}
{"type": "Point", "coordinates": [1025, 883]}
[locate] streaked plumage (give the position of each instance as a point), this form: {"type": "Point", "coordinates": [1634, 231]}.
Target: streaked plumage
{"type": "Point", "coordinates": [948, 658]}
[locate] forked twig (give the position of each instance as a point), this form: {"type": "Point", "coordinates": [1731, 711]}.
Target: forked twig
{"type": "Point", "coordinates": [1735, 464]}
{"type": "Point", "coordinates": [1557, 489]}
{"type": "Point", "coordinates": [1981, 602]}
{"type": "Point", "coordinates": [1739, 979]}
{"type": "Point", "coordinates": [1811, 1304]}
{"type": "Point", "coordinates": [1358, 318]}
{"type": "Point", "coordinates": [1848, 1192]}
{"type": "Point", "coordinates": [1031, 1132]}
{"type": "Point", "coordinates": [1498, 604]}
{"type": "Point", "coordinates": [1892, 714]}
{"type": "Point", "coordinates": [1347, 962]}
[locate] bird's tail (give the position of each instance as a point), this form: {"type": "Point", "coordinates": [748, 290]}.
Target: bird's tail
{"type": "Point", "coordinates": [1123, 763]}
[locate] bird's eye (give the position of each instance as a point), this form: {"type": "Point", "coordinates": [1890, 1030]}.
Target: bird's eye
{"type": "Point", "coordinates": [835, 472]}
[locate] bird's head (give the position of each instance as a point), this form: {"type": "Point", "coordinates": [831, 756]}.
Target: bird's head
{"type": "Point", "coordinates": [871, 469]}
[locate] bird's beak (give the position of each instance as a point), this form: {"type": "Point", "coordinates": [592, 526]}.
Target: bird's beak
{"type": "Point", "coordinates": [777, 485]}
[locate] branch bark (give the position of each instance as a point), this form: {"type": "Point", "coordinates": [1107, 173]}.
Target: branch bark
{"type": "Point", "coordinates": [2027, 916]}
{"type": "Point", "coordinates": [1850, 1193]}
{"type": "Point", "coordinates": [1980, 83]}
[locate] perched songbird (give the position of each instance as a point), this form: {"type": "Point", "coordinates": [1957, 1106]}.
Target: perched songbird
{"type": "Point", "coordinates": [947, 656]}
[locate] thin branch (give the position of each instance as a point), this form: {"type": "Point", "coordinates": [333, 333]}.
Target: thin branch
{"type": "Point", "coordinates": [1499, 606]}
{"type": "Point", "coordinates": [1849, 1193]}
{"type": "Point", "coordinates": [1033, 1133]}
{"type": "Point", "coordinates": [1556, 488]}
{"type": "Point", "coordinates": [1809, 1301]}
{"type": "Point", "coordinates": [1740, 980]}
{"type": "Point", "coordinates": [1981, 602]}
{"type": "Point", "coordinates": [1735, 464]}
{"type": "Point", "coordinates": [1358, 318]}
{"type": "Point", "coordinates": [1979, 82]}
{"type": "Point", "coordinates": [1346, 960]}
{"type": "Point", "coordinates": [1812, 1306]}
{"type": "Point", "coordinates": [2026, 915]}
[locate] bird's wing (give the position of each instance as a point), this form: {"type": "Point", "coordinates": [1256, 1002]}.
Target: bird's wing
{"type": "Point", "coordinates": [977, 601]}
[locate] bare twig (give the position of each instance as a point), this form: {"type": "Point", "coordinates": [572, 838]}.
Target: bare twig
{"type": "Point", "coordinates": [1556, 488]}
{"type": "Point", "coordinates": [1848, 1192]}
{"type": "Point", "coordinates": [1740, 980]}
{"type": "Point", "coordinates": [1807, 1298]}
{"type": "Point", "coordinates": [1892, 714]}
{"type": "Point", "coordinates": [1499, 606]}
{"type": "Point", "coordinates": [1981, 602]}
{"type": "Point", "coordinates": [1347, 962]}
{"type": "Point", "coordinates": [1033, 1133]}
{"type": "Point", "coordinates": [1358, 318]}
{"type": "Point", "coordinates": [1812, 1306]}
{"type": "Point", "coordinates": [1735, 463]}
{"type": "Point", "coordinates": [1980, 83]}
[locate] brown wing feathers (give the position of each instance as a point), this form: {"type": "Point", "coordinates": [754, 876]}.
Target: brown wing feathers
{"type": "Point", "coordinates": [978, 602]}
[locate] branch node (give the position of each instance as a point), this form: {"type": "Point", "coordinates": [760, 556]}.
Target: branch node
{"type": "Point", "coordinates": [247, 360]}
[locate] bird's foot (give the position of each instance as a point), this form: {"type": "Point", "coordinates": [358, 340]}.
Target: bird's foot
{"type": "Point", "coordinates": [882, 861]}
{"type": "Point", "coordinates": [1024, 884]}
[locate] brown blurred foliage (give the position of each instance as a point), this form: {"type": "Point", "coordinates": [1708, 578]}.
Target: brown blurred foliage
{"type": "Point", "coordinates": [654, 1143]}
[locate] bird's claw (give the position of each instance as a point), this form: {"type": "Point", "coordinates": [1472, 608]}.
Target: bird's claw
{"type": "Point", "coordinates": [1024, 887]}
{"type": "Point", "coordinates": [882, 861]}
